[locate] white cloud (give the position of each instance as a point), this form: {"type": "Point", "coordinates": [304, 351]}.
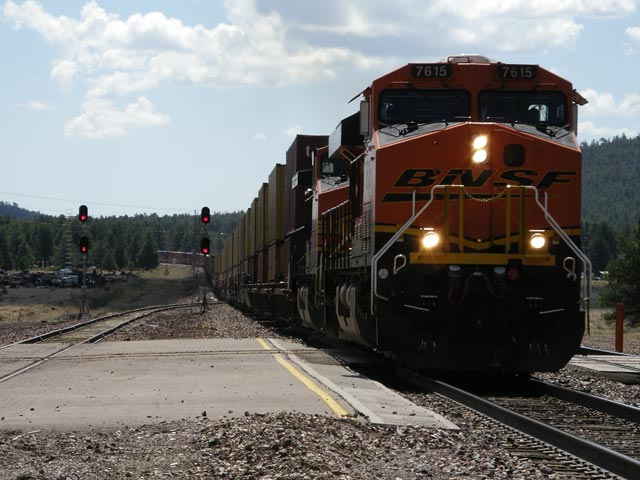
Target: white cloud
{"type": "Point", "coordinates": [37, 106]}
{"type": "Point", "coordinates": [634, 35]}
{"type": "Point", "coordinates": [604, 104]}
{"type": "Point", "coordinates": [101, 119]}
{"type": "Point", "coordinates": [260, 136]}
{"type": "Point", "coordinates": [64, 71]}
{"type": "Point", "coordinates": [122, 56]}
{"type": "Point", "coordinates": [630, 105]}
{"type": "Point", "coordinates": [279, 42]}
{"type": "Point", "coordinates": [120, 83]}
{"type": "Point", "coordinates": [604, 110]}
{"type": "Point", "coordinates": [293, 131]}
{"type": "Point", "coordinates": [31, 14]}
{"type": "Point", "coordinates": [473, 9]}
{"type": "Point", "coordinates": [253, 50]}
{"type": "Point", "coordinates": [589, 131]}
{"type": "Point", "coordinates": [430, 27]}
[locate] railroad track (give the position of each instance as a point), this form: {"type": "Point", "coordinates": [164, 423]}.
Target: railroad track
{"type": "Point", "coordinates": [601, 433]}
{"type": "Point", "coordinates": [89, 331]}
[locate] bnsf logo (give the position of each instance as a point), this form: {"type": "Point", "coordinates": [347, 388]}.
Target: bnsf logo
{"type": "Point", "coordinates": [424, 177]}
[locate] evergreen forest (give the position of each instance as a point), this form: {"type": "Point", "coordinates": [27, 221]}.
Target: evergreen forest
{"type": "Point", "coordinates": [610, 179]}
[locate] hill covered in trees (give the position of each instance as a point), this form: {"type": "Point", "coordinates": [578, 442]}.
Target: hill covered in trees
{"type": "Point", "coordinates": [13, 210]}
{"type": "Point", "coordinates": [610, 182]}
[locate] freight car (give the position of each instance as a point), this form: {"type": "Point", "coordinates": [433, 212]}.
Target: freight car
{"type": "Point", "coordinates": [439, 224]}
{"type": "Point", "coordinates": [182, 258]}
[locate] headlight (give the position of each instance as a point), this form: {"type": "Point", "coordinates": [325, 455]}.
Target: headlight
{"type": "Point", "coordinates": [480, 142]}
{"type": "Point", "coordinates": [430, 240]}
{"type": "Point", "coordinates": [478, 145]}
{"type": "Point", "coordinates": [537, 241]}
{"type": "Point", "coordinates": [479, 156]}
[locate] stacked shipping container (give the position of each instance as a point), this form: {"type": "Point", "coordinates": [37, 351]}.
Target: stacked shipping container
{"type": "Point", "coordinates": [271, 236]}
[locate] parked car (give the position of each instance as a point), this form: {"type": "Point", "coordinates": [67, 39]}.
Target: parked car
{"type": "Point", "coordinates": [70, 281]}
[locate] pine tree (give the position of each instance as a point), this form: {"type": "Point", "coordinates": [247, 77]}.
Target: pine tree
{"type": "Point", "coordinates": [5, 253]}
{"type": "Point", "coordinates": [148, 257]}
{"type": "Point", "coordinates": [624, 277]}
{"type": "Point", "coordinates": [109, 260]}
{"type": "Point", "coordinates": [134, 251]}
{"type": "Point", "coordinates": [44, 244]}
{"type": "Point", "coordinates": [24, 255]}
{"type": "Point", "coordinates": [120, 255]}
{"type": "Point", "coordinates": [601, 245]}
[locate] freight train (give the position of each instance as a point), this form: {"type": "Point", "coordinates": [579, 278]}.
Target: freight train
{"type": "Point", "coordinates": [439, 224]}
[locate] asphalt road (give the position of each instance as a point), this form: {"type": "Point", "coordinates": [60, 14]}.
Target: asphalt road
{"type": "Point", "coordinates": [115, 384]}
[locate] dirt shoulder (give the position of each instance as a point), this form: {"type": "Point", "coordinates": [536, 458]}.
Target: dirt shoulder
{"type": "Point", "coordinates": [34, 310]}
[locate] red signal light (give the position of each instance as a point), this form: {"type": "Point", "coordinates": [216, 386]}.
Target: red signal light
{"type": "Point", "coordinates": [205, 215]}
{"type": "Point", "coordinates": [84, 244]}
{"type": "Point", "coordinates": [205, 246]}
{"type": "Point", "coordinates": [83, 213]}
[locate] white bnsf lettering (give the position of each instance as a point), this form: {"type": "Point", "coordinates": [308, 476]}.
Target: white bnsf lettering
{"type": "Point", "coordinates": [425, 177]}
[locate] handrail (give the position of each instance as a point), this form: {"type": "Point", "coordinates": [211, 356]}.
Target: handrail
{"type": "Point", "coordinates": [586, 263]}
{"type": "Point", "coordinates": [586, 287]}
{"type": "Point", "coordinates": [392, 240]}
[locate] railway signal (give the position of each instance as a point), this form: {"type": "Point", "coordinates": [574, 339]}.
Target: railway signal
{"type": "Point", "coordinates": [205, 215]}
{"type": "Point", "coordinates": [84, 244]}
{"type": "Point", "coordinates": [205, 246]}
{"type": "Point", "coordinates": [83, 213]}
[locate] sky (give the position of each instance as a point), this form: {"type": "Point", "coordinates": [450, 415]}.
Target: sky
{"type": "Point", "coordinates": [166, 106]}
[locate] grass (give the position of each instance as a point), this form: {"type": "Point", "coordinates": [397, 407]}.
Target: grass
{"type": "Point", "coordinates": [166, 284]}
{"type": "Point", "coordinates": [602, 318]}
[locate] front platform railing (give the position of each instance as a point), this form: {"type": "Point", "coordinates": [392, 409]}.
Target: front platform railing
{"type": "Point", "coordinates": [460, 193]}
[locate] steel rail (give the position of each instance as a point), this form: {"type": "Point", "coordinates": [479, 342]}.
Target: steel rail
{"type": "Point", "coordinates": [586, 351]}
{"type": "Point", "coordinates": [604, 405]}
{"type": "Point", "coordinates": [71, 328]}
{"type": "Point", "coordinates": [145, 311]}
{"type": "Point", "coordinates": [150, 311]}
{"type": "Point", "coordinates": [591, 452]}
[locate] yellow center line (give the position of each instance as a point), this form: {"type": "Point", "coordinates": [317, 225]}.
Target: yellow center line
{"type": "Point", "coordinates": [264, 344]}
{"type": "Point", "coordinates": [307, 382]}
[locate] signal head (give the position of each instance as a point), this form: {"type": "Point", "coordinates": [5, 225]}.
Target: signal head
{"type": "Point", "coordinates": [205, 215]}
{"type": "Point", "coordinates": [205, 246]}
{"type": "Point", "coordinates": [83, 213]}
{"type": "Point", "coordinates": [84, 244]}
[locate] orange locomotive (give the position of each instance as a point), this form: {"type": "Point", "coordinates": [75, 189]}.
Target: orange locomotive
{"type": "Point", "coordinates": [440, 224]}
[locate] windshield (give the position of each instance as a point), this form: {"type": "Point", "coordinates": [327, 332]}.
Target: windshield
{"type": "Point", "coordinates": [423, 106]}
{"type": "Point", "coordinates": [331, 167]}
{"type": "Point", "coordinates": [523, 107]}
